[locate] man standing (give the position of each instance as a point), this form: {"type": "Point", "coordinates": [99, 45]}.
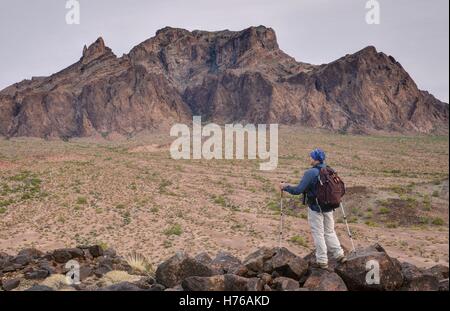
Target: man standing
{"type": "Point", "coordinates": [321, 222]}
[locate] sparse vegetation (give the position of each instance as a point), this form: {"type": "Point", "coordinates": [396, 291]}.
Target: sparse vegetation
{"type": "Point", "coordinates": [139, 263]}
{"type": "Point", "coordinates": [173, 230]}
{"type": "Point", "coordinates": [106, 191]}
{"type": "Point", "coordinates": [299, 240]}
{"type": "Point", "coordinates": [81, 201]}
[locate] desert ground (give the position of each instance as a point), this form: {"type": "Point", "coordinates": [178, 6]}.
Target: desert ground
{"type": "Point", "coordinates": [130, 195]}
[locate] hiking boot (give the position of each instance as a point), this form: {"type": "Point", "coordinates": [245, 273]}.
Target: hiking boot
{"type": "Point", "coordinates": [341, 259]}
{"type": "Point", "coordinates": [320, 265]}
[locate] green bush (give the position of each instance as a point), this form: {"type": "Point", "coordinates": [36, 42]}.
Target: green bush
{"type": "Point", "coordinates": [81, 201]}
{"type": "Point", "coordinates": [438, 221]}
{"type": "Point", "coordinates": [296, 239]}
{"type": "Point", "coordinates": [384, 210]}
{"type": "Point", "coordinates": [174, 230]}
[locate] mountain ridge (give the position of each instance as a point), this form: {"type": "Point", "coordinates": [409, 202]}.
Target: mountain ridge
{"type": "Point", "coordinates": [225, 76]}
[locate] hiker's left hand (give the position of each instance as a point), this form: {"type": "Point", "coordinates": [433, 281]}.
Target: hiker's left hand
{"type": "Point", "coordinates": [282, 185]}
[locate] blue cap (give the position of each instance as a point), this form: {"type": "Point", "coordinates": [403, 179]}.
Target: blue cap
{"type": "Point", "coordinates": [318, 155]}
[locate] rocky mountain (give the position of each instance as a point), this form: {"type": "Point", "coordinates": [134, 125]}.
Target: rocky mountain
{"type": "Point", "coordinates": [224, 76]}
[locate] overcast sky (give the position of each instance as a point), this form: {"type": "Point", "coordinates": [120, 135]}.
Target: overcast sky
{"type": "Point", "coordinates": [35, 39]}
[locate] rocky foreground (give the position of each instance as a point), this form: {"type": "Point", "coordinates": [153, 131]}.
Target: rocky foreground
{"type": "Point", "coordinates": [267, 269]}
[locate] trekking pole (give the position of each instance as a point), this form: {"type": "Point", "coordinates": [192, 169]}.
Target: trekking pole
{"type": "Point", "coordinates": [281, 220]}
{"type": "Point", "coordinates": [348, 228]}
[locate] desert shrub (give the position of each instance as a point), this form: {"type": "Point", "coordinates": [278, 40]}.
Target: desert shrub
{"type": "Point", "coordinates": [174, 230]}
{"type": "Point", "coordinates": [437, 221]}
{"type": "Point", "coordinates": [139, 263]}
{"type": "Point", "coordinates": [81, 200]}
{"type": "Point", "coordinates": [384, 211]}
{"type": "Point", "coordinates": [299, 240]}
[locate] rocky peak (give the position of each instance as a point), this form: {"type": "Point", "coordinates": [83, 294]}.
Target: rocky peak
{"type": "Point", "coordinates": [95, 50]}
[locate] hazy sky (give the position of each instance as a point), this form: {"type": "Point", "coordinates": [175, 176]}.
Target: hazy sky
{"type": "Point", "coordinates": [35, 39]}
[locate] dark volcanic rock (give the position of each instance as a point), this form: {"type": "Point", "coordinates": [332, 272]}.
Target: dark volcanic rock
{"type": "Point", "coordinates": [226, 263]}
{"type": "Point", "coordinates": [122, 287]}
{"type": "Point", "coordinates": [224, 76]}
{"type": "Point", "coordinates": [63, 255]}
{"type": "Point", "coordinates": [227, 282]}
{"type": "Point", "coordinates": [416, 280]}
{"type": "Point", "coordinates": [95, 251]}
{"type": "Point", "coordinates": [443, 285]}
{"type": "Point", "coordinates": [31, 252]}
{"type": "Point", "coordinates": [324, 280]}
{"type": "Point", "coordinates": [276, 260]}
{"type": "Point", "coordinates": [36, 274]}
{"type": "Point", "coordinates": [439, 271]}
{"type": "Point", "coordinates": [355, 271]}
{"type": "Point", "coordinates": [11, 284]}
{"type": "Point", "coordinates": [198, 283]}
{"type": "Point", "coordinates": [39, 288]}
{"type": "Point", "coordinates": [285, 284]}
{"type": "Point", "coordinates": [171, 272]}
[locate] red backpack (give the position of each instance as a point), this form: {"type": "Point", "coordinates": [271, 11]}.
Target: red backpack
{"type": "Point", "coordinates": [330, 189]}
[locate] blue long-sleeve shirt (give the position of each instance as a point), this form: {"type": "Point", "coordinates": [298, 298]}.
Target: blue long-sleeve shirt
{"type": "Point", "coordinates": [308, 184]}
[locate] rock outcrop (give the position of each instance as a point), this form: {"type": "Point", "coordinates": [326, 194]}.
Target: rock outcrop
{"type": "Point", "coordinates": [266, 269]}
{"type": "Point", "coordinates": [224, 76]}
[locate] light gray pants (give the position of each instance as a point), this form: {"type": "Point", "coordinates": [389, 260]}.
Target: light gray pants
{"type": "Point", "coordinates": [325, 238]}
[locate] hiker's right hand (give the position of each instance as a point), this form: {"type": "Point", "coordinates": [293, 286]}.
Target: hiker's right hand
{"type": "Point", "coordinates": [282, 185]}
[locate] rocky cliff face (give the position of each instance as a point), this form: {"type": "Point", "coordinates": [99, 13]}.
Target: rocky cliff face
{"type": "Point", "coordinates": [224, 76]}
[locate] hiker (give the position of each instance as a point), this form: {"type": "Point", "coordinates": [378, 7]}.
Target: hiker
{"type": "Point", "coordinates": [320, 220]}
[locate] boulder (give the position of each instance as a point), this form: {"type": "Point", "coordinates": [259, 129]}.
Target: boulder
{"type": "Point", "coordinates": [4, 260]}
{"type": "Point", "coordinates": [226, 263]}
{"type": "Point", "coordinates": [157, 288]}
{"type": "Point", "coordinates": [39, 288]}
{"type": "Point", "coordinates": [21, 260]}
{"type": "Point", "coordinates": [31, 252]}
{"type": "Point", "coordinates": [357, 272]}
{"type": "Point", "coordinates": [226, 282]}
{"type": "Point", "coordinates": [46, 265]}
{"type": "Point", "coordinates": [285, 284]}
{"type": "Point", "coordinates": [102, 270]}
{"type": "Point", "coordinates": [266, 278]}
{"type": "Point", "coordinates": [443, 285]}
{"type": "Point", "coordinates": [36, 274]}
{"type": "Point", "coordinates": [95, 250]}
{"type": "Point", "coordinates": [172, 271]}
{"type": "Point", "coordinates": [287, 264]}
{"type": "Point", "coordinates": [121, 287]}
{"type": "Point", "coordinates": [439, 271]}
{"type": "Point", "coordinates": [324, 280]}
{"type": "Point", "coordinates": [63, 255]}
{"type": "Point", "coordinates": [238, 283]}
{"type": "Point", "coordinates": [416, 280]}
{"type": "Point", "coordinates": [85, 272]}
{"type": "Point", "coordinates": [280, 261]}
{"type": "Point", "coordinates": [204, 258]}
{"type": "Point", "coordinates": [255, 261]}
{"type": "Point", "coordinates": [145, 282]}
{"type": "Point", "coordinates": [199, 283]}
{"type": "Point", "coordinates": [11, 284]}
